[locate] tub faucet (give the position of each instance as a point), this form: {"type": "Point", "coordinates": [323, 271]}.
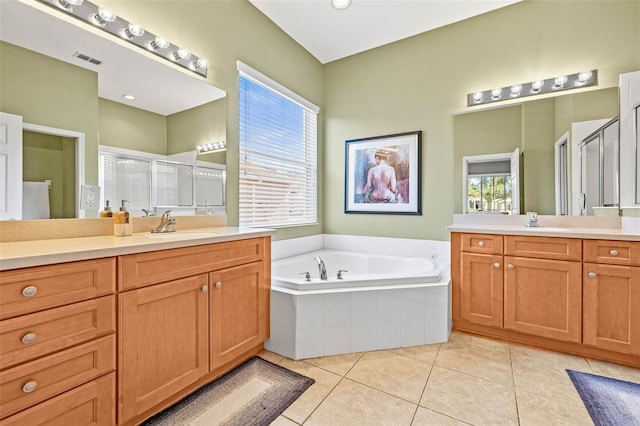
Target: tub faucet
{"type": "Point", "coordinates": [321, 268]}
{"type": "Point", "coordinates": [167, 224]}
{"type": "Point", "coordinates": [533, 220]}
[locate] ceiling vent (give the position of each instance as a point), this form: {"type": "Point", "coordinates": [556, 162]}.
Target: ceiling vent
{"type": "Point", "coordinates": [84, 57]}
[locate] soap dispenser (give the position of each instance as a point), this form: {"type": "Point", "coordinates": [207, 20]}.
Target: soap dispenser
{"type": "Point", "coordinates": [122, 221]}
{"type": "Point", "coordinates": [107, 210]}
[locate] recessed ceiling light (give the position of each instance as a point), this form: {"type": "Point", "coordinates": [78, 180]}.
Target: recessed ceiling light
{"type": "Point", "coordinates": [340, 4]}
{"type": "Point", "coordinates": [129, 97]}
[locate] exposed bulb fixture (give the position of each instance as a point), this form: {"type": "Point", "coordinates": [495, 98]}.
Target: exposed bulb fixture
{"type": "Point", "coordinates": [68, 4]}
{"type": "Point", "coordinates": [103, 16]}
{"type": "Point", "coordinates": [340, 4]}
{"type": "Point", "coordinates": [106, 20]}
{"type": "Point", "coordinates": [129, 97]}
{"type": "Point", "coordinates": [133, 30]}
{"type": "Point", "coordinates": [181, 54]}
{"type": "Point", "coordinates": [158, 43]}
{"type": "Point", "coordinates": [536, 87]}
{"type": "Point", "coordinates": [212, 146]}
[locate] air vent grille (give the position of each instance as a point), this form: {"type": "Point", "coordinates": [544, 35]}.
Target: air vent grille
{"type": "Point", "coordinates": [87, 58]}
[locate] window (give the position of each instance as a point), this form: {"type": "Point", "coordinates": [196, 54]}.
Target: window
{"type": "Point", "coordinates": [491, 183]}
{"type": "Point", "coordinates": [278, 153]}
{"type": "Point", "coordinates": [489, 194]}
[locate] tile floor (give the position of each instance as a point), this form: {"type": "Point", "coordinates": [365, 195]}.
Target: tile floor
{"type": "Point", "coordinates": [469, 380]}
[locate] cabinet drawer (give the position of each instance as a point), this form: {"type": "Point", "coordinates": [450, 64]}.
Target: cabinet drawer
{"type": "Point", "coordinates": [55, 374]}
{"type": "Point", "coordinates": [24, 291]}
{"type": "Point", "coordinates": [543, 247]}
{"type": "Point", "coordinates": [612, 252]}
{"type": "Point", "coordinates": [89, 404]}
{"type": "Point", "coordinates": [482, 243]}
{"type": "Point", "coordinates": [139, 270]}
{"type": "Point", "coordinates": [32, 336]}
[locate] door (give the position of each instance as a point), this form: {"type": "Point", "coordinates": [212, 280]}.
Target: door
{"type": "Point", "coordinates": [543, 297]}
{"type": "Point", "coordinates": [515, 181]}
{"type": "Point", "coordinates": [612, 307]}
{"type": "Point", "coordinates": [481, 289]}
{"type": "Point", "coordinates": [10, 166]}
{"type": "Point", "coordinates": [238, 308]}
{"type": "Point", "coordinates": [163, 342]}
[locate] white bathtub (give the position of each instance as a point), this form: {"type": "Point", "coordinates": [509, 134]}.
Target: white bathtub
{"type": "Point", "coordinates": [359, 270]}
{"type": "Point", "coordinates": [397, 293]}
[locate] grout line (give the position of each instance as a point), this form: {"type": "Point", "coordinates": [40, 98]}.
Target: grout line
{"type": "Point", "coordinates": [513, 379]}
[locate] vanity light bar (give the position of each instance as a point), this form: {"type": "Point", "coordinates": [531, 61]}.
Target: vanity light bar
{"type": "Point", "coordinates": [213, 146]}
{"type": "Point", "coordinates": [131, 32]}
{"type": "Point", "coordinates": [538, 87]}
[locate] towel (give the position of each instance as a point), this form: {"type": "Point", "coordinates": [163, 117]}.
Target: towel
{"type": "Point", "coordinates": [35, 200]}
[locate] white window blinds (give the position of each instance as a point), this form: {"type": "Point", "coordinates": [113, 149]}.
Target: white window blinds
{"type": "Point", "coordinates": [278, 153]}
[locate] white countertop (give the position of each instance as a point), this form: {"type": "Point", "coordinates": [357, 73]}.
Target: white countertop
{"type": "Point", "coordinates": [569, 232]}
{"type": "Point", "coordinates": [21, 254]}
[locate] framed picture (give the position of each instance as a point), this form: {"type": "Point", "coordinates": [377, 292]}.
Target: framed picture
{"type": "Point", "coordinates": [382, 174]}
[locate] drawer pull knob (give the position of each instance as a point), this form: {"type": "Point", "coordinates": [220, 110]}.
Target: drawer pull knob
{"type": "Point", "coordinates": [29, 291]}
{"type": "Point", "coordinates": [204, 288]}
{"type": "Point", "coordinates": [592, 274]}
{"type": "Point", "coordinates": [218, 284]}
{"type": "Point", "coordinates": [496, 265]}
{"type": "Point", "coordinates": [29, 338]}
{"type": "Point", "coordinates": [509, 266]}
{"type": "Point", "coordinates": [481, 243]}
{"type": "Point", "coordinates": [613, 252]}
{"type": "Point", "coordinates": [30, 386]}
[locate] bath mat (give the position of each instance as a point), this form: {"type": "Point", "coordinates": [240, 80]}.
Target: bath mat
{"type": "Point", "coordinates": [610, 402]}
{"type": "Point", "coordinates": [255, 393]}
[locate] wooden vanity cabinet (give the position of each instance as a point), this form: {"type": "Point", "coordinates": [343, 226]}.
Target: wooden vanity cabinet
{"type": "Point", "coordinates": [481, 289]}
{"type": "Point", "coordinates": [57, 344]}
{"type": "Point", "coordinates": [611, 301]}
{"type": "Point", "coordinates": [192, 314]}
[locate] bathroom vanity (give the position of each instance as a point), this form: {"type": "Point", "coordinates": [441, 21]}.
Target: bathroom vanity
{"type": "Point", "coordinates": [568, 289]}
{"type": "Point", "coordinates": [117, 329]}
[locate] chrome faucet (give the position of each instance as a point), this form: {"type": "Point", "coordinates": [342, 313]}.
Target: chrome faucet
{"type": "Point", "coordinates": [321, 268]}
{"type": "Point", "coordinates": [533, 220]}
{"type": "Point", "coordinates": [167, 224]}
{"type": "Point", "coordinates": [147, 213]}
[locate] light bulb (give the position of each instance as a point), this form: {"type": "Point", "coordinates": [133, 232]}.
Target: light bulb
{"type": "Point", "coordinates": [495, 93]}
{"type": "Point", "coordinates": [133, 30]}
{"type": "Point", "coordinates": [200, 63]}
{"type": "Point", "coordinates": [516, 89]}
{"type": "Point", "coordinates": [68, 4]}
{"type": "Point", "coordinates": [537, 85]}
{"type": "Point", "coordinates": [158, 43]}
{"type": "Point", "coordinates": [181, 54]}
{"type": "Point", "coordinates": [103, 16]}
{"type": "Point", "coordinates": [477, 97]}
{"type": "Point", "coordinates": [340, 4]}
{"type": "Point", "coordinates": [585, 76]}
{"type": "Point", "coordinates": [560, 81]}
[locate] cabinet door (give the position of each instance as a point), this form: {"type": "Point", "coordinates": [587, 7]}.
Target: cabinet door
{"type": "Point", "coordinates": [543, 297]}
{"type": "Point", "coordinates": [238, 304]}
{"type": "Point", "coordinates": [612, 307]}
{"type": "Point", "coordinates": [481, 289]}
{"type": "Point", "coordinates": [163, 342]}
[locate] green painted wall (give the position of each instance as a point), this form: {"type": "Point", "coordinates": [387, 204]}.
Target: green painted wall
{"type": "Point", "coordinates": [51, 93]}
{"type": "Point", "coordinates": [47, 157]}
{"type": "Point", "coordinates": [420, 82]}
{"type": "Point", "coordinates": [123, 126]}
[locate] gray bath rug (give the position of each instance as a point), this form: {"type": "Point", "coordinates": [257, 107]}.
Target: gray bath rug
{"type": "Point", "coordinates": [610, 402]}
{"type": "Point", "coordinates": [255, 393]}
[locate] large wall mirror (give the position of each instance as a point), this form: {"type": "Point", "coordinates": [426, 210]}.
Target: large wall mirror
{"type": "Point", "coordinates": [548, 134]}
{"type": "Point", "coordinates": [67, 82]}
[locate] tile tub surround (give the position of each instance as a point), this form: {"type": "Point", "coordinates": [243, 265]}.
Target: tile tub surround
{"type": "Point", "coordinates": [341, 321]}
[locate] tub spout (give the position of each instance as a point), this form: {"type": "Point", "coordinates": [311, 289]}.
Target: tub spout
{"type": "Point", "coordinates": [321, 268]}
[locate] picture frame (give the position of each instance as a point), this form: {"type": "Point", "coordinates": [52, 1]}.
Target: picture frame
{"type": "Point", "coordinates": [383, 174]}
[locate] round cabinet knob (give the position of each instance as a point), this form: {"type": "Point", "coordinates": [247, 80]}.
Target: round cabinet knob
{"type": "Point", "coordinates": [29, 291]}
{"type": "Point", "coordinates": [496, 265]}
{"type": "Point", "coordinates": [29, 386]}
{"type": "Point", "coordinates": [509, 266]}
{"type": "Point", "coordinates": [204, 288]}
{"type": "Point", "coordinates": [592, 274]}
{"type": "Point", "coordinates": [613, 252]}
{"type": "Point", "coordinates": [29, 338]}
{"type": "Point", "coordinates": [481, 243]}
{"type": "Point", "coordinates": [218, 284]}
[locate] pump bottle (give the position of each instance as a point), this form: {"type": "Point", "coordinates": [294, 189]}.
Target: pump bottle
{"type": "Point", "coordinates": [122, 221]}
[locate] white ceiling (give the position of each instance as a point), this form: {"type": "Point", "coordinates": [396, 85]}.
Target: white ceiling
{"type": "Point", "coordinates": [330, 34]}
{"type": "Point", "coordinates": [158, 87]}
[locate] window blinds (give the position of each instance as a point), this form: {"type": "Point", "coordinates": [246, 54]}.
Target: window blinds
{"type": "Point", "coordinates": [278, 154]}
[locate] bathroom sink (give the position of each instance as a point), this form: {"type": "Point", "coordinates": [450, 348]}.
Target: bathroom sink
{"type": "Point", "coordinates": [546, 228]}
{"type": "Point", "coordinates": [180, 235]}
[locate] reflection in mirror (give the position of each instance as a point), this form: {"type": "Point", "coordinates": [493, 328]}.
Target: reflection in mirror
{"type": "Point", "coordinates": [534, 127]}
{"type": "Point", "coordinates": [44, 83]}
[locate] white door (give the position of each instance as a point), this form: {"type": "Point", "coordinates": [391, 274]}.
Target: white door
{"type": "Point", "coordinates": [10, 166]}
{"type": "Point", "coordinates": [515, 182]}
